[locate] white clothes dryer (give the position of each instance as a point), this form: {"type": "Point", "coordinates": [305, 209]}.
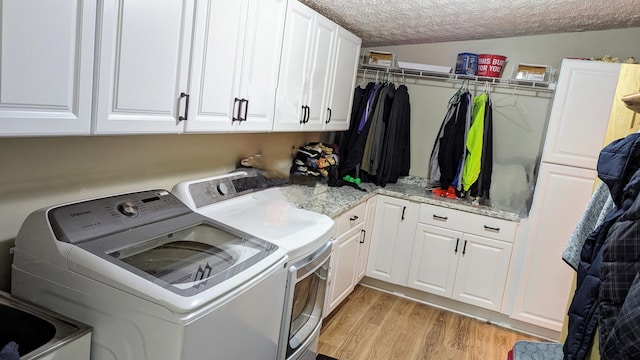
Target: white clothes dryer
{"type": "Point", "coordinates": [243, 200]}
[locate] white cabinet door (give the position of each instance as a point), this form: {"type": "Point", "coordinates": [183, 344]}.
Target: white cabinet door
{"type": "Point", "coordinates": [561, 196]}
{"type": "Point", "coordinates": [434, 259]}
{"type": "Point", "coordinates": [234, 68]}
{"type": "Point", "coordinates": [317, 73]}
{"type": "Point", "coordinates": [345, 66]}
{"type": "Point", "coordinates": [343, 263]}
{"type": "Point", "coordinates": [365, 241]}
{"type": "Point", "coordinates": [46, 67]}
{"type": "Point", "coordinates": [142, 66]}
{"type": "Point", "coordinates": [580, 112]}
{"type": "Point", "coordinates": [392, 239]}
{"type": "Point", "coordinates": [482, 271]}
{"type": "Point", "coordinates": [321, 65]}
{"type": "Point", "coordinates": [293, 82]}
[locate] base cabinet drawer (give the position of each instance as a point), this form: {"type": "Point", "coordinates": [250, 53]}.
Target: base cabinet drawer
{"type": "Point", "coordinates": [494, 228]}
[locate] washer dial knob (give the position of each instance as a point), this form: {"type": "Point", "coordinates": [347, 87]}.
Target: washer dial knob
{"type": "Point", "coordinates": [128, 208]}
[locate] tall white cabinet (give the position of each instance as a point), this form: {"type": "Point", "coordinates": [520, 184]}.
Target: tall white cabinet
{"type": "Point", "coordinates": [46, 67]}
{"type": "Point", "coordinates": [566, 178]}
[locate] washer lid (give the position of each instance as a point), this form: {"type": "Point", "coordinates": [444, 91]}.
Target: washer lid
{"type": "Point", "coordinates": [269, 215]}
{"type": "Point", "coordinates": [185, 261]}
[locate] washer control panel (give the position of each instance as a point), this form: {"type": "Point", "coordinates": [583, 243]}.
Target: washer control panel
{"type": "Point", "coordinates": [100, 217]}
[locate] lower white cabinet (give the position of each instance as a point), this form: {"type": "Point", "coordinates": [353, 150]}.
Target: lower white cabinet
{"type": "Point", "coordinates": [365, 243]}
{"type": "Point", "coordinates": [465, 267]}
{"type": "Point", "coordinates": [344, 256]}
{"type": "Point", "coordinates": [392, 238]}
{"type": "Point", "coordinates": [343, 266]}
{"type": "Point", "coordinates": [349, 253]}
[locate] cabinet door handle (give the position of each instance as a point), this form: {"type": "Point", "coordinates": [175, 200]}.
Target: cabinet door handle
{"type": "Point", "coordinates": [464, 248]}
{"type": "Point", "coordinates": [457, 243]}
{"type": "Point", "coordinates": [440, 218]}
{"type": "Point", "coordinates": [308, 114]}
{"type": "Point", "coordinates": [404, 208]}
{"type": "Point", "coordinates": [246, 109]}
{"type": "Point", "coordinates": [353, 218]}
{"type": "Point", "coordinates": [329, 118]}
{"type": "Point", "coordinates": [492, 229]}
{"type": "Point", "coordinates": [363, 233]}
{"type": "Point", "coordinates": [304, 114]}
{"type": "Point", "coordinates": [236, 111]}
{"type": "Point", "coordinates": [186, 106]}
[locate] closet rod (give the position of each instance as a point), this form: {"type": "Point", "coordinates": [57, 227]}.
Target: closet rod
{"type": "Point", "coordinates": [498, 82]}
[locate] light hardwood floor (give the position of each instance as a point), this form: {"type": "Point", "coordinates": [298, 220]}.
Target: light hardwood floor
{"type": "Point", "coordinates": [374, 325]}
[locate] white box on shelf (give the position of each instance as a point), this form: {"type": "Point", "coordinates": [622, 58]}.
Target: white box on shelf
{"type": "Point", "coordinates": [424, 67]}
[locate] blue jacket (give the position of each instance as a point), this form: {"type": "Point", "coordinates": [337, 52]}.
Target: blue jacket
{"type": "Point", "coordinates": [618, 166]}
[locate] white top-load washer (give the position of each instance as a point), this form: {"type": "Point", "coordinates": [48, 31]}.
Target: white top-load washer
{"type": "Point", "coordinates": [154, 279]}
{"type": "Point", "coordinates": [244, 200]}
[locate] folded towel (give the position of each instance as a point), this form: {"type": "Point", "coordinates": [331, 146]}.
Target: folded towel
{"type": "Point", "coordinates": [10, 352]}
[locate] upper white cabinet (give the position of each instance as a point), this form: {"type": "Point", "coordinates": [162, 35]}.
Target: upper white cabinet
{"type": "Point", "coordinates": [317, 73]}
{"type": "Point", "coordinates": [142, 66]}
{"type": "Point", "coordinates": [167, 68]}
{"type": "Point", "coordinates": [46, 67]}
{"type": "Point", "coordinates": [234, 70]}
{"type": "Point", "coordinates": [581, 107]}
{"type": "Point", "coordinates": [345, 66]}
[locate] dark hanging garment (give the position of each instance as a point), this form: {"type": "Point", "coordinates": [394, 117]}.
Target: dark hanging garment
{"type": "Point", "coordinates": [482, 186]}
{"type": "Point", "coordinates": [452, 144]}
{"type": "Point", "coordinates": [396, 157]}
{"type": "Point", "coordinates": [353, 146]}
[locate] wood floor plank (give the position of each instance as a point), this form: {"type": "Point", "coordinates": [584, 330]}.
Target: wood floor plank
{"type": "Point", "coordinates": [388, 333]}
{"type": "Point", "coordinates": [372, 324]}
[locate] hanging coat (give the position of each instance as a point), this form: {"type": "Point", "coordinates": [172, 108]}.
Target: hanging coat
{"type": "Point", "coordinates": [451, 146]}
{"type": "Point", "coordinates": [353, 145]}
{"type": "Point", "coordinates": [482, 187]}
{"type": "Point", "coordinates": [396, 157]}
{"type": "Point", "coordinates": [473, 160]}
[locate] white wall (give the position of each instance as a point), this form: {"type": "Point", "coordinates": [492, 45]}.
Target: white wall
{"type": "Point", "coordinates": [40, 172]}
{"type": "Point", "coordinates": [539, 49]}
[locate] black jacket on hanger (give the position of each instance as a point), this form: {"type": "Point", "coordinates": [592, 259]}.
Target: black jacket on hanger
{"type": "Point", "coordinates": [396, 157]}
{"type": "Point", "coordinates": [452, 144]}
{"type": "Point", "coordinates": [352, 147]}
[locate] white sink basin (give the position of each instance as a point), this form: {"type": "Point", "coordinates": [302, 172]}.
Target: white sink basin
{"type": "Point", "coordinates": [41, 333]}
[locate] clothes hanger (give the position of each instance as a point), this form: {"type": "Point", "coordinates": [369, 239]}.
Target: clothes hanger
{"type": "Point", "coordinates": [364, 79]}
{"type": "Point", "coordinates": [513, 110]}
{"type": "Point", "coordinates": [456, 97]}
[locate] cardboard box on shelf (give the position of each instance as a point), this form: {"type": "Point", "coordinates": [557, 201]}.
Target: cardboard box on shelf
{"type": "Point", "coordinates": [380, 58]}
{"type": "Point", "coordinates": [531, 72]}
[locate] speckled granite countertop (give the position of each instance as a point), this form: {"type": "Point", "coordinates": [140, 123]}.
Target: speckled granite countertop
{"type": "Point", "coordinates": [333, 201]}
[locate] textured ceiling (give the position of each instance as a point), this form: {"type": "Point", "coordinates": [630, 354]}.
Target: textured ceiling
{"type": "Point", "coordinates": [389, 22]}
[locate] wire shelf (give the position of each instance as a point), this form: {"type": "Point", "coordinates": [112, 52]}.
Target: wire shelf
{"type": "Point", "coordinates": [441, 76]}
